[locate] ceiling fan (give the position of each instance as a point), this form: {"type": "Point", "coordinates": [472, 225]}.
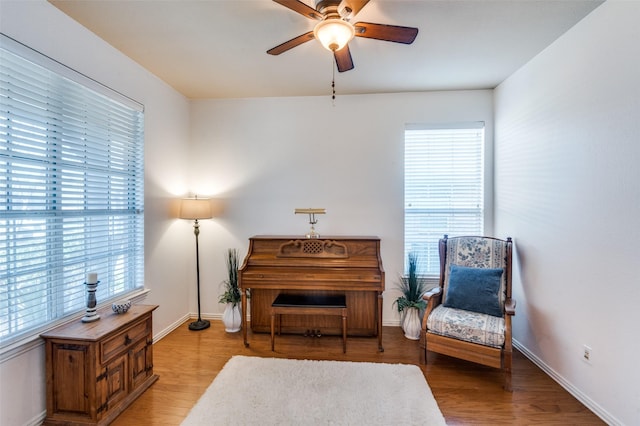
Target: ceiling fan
{"type": "Point", "coordinates": [334, 31]}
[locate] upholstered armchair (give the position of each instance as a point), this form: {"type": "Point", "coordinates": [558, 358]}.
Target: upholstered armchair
{"type": "Point", "coordinates": [468, 316]}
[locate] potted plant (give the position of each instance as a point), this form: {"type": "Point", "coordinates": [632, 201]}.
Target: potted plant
{"type": "Point", "coordinates": [409, 305]}
{"type": "Point", "coordinates": [232, 317]}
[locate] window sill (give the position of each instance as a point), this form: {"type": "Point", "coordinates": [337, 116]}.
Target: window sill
{"type": "Point", "coordinates": [33, 340]}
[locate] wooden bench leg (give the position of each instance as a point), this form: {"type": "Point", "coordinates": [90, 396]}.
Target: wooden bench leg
{"type": "Point", "coordinates": [344, 331]}
{"type": "Point", "coordinates": [279, 323]}
{"type": "Point", "coordinates": [273, 329]}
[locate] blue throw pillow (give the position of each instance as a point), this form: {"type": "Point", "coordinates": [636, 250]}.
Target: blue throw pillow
{"type": "Point", "coordinates": [474, 289]}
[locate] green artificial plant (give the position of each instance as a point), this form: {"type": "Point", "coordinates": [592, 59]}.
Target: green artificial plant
{"type": "Point", "coordinates": [231, 291]}
{"type": "Point", "coordinates": [412, 286]}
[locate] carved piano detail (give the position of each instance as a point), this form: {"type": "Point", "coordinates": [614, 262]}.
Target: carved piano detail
{"type": "Point", "coordinates": [333, 265]}
{"type": "Point", "coordinates": [313, 248]}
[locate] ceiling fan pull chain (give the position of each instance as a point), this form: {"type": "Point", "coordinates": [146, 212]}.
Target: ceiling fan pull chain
{"type": "Point", "coordinates": [333, 90]}
{"type": "Point", "coordinates": [333, 83]}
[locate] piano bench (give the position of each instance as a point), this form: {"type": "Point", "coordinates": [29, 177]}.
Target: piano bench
{"type": "Point", "coordinates": [301, 304]}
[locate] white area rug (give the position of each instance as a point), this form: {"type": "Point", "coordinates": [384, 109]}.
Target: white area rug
{"type": "Point", "coordinates": [272, 391]}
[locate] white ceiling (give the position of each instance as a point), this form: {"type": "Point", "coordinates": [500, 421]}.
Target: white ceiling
{"type": "Point", "coordinates": [217, 48]}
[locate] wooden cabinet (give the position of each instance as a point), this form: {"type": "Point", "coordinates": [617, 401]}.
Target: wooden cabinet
{"type": "Point", "coordinates": [95, 370]}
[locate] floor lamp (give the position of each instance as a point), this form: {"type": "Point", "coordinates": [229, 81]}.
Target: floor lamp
{"type": "Point", "coordinates": [195, 209]}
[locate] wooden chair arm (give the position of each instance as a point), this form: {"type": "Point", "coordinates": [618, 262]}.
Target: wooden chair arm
{"type": "Point", "coordinates": [510, 307]}
{"type": "Point", "coordinates": [432, 297]}
{"type": "Point", "coordinates": [433, 292]}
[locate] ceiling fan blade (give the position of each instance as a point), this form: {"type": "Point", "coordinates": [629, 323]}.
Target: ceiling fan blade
{"type": "Point", "coordinates": [281, 48]}
{"type": "Point", "coordinates": [301, 8]}
{"type": "Point", "coordinates": [384, 32]}
{"type": "Point", "coordinates": [354, 6]}
{"type": "Point", "coordinates": [343, 59]}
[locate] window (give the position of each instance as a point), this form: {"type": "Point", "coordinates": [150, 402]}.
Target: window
{"type": "Point", "coordinates": [71, 191]}
{"type": "Point", "coordinates": [443, 188]}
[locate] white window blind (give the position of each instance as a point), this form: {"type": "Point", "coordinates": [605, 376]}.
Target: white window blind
{"type": "Point", "coordinates": [443, 188]}
{"type": "Point", "coordinates": [71, 191]}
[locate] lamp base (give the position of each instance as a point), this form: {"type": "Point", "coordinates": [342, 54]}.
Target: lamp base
{"type": "Point", "coordinates": [199, 325]}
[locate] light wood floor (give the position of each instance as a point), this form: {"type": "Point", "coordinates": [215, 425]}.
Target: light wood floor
{"type": "Point", "coordinates": [468, 394]}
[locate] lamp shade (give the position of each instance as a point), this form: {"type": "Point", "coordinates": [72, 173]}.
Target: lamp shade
{"type": "Point", "coordinates": [334, 33]}
{"type": "Point", "coordinates": [195, 208]}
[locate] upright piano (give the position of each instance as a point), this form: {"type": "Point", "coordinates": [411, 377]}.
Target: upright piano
{"type": "Point", "coordinates": [329, 265]}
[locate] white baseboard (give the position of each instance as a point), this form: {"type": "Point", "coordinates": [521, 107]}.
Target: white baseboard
{"type": "Point", "coordinates": [177, 323]}
{"type": "Point", "coordinates": [568, 386]}
{"type": "Point", "coordinates": [37, 421]}
{"type": "Point", "coordinates": [214, 317]}
{"type": "Point", "coordinates": [170, 328]}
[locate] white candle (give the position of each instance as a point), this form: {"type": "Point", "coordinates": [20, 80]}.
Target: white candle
{"type": "Point", "coordinates": [92, 277]}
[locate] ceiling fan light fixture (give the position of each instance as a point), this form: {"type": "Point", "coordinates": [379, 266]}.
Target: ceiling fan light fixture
{"type": "Point", "coordinates": [334, 33]}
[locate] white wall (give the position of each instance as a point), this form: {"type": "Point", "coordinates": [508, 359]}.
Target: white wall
{"type": "Point", "coordinates": [567, 143]}
{"type": "Point", "coordinates": [41, 26]}
{"type": "Point", "coordinates": [566, 182]}
{"type": "Point", "coordinates": [262, 158]}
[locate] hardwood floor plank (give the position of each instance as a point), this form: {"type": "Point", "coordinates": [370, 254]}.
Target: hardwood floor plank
{"type": "Point", "coordinates": [468, 394]}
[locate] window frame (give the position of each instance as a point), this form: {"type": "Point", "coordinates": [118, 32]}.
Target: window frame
{"type": "Point", "coordinates": [74, 209]}
{"type": "Point", "coordinates": [427, 244]}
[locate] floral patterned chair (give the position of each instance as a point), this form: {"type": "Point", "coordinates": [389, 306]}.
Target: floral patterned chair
{"type": "Point", "coordinates": [468, 315]}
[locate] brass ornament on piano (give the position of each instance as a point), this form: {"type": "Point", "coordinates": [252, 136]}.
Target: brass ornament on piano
{"type": "Point", "coordinates": [312, 219]}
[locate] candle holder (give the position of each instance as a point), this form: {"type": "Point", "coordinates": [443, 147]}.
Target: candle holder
{"type": "Point", "coordinates": [91, 314]}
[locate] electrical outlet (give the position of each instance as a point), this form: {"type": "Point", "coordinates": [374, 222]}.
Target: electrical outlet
{"type": "Point", "coordinates": [587, 353]}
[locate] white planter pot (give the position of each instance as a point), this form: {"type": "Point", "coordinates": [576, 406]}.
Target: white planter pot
{"type": "Point", "coordinates": [411, 324]}
{"type": "Point", "coordinates": [232, 318]}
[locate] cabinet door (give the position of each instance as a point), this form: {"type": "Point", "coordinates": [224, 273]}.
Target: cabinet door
{"type": "Point", "coordinates": [71, 384]}
{"type": "Point", "coordinates": [141, 362]}
{"type": "Point", "coordinates": [113, 383]}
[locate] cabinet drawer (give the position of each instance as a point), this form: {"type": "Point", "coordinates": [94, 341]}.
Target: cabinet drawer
{"type": "Point", "coordinates": [121, 341]}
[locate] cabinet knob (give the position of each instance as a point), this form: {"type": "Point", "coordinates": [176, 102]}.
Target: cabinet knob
{"type": "Point", "coordinates": [127, 339]}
